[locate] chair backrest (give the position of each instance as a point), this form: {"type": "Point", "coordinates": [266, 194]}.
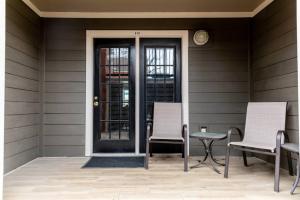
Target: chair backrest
{"type": "Point", "coordinates": [167, 120]}
{"type": "Point", "coordinates": [263, 121]}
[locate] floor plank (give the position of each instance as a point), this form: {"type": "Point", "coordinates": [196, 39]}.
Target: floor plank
{"type": "Point", "coordinates": [63, 179]}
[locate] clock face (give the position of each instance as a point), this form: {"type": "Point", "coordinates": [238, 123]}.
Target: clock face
{"type": "Point", "coordinates": [201, 37]}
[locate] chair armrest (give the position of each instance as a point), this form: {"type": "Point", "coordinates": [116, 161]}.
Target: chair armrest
{"type": "Point", "coordinates": [229, 133]}
{"type": "Point", "coordinates": [286, 137]}
{"type": "Point", "coordinates": [184, 132]}
{"type": "Point", "coordinates": [149, 130]}
{"type": "Point", "coordinates": [279, 138]}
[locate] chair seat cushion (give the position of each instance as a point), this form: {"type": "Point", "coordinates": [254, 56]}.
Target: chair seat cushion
{"type": "Point", "coordinates": [253, 145]}
{"type": "Point", "coordinates": [166, 137]}
{"type": "Point", "coordinates": [291, 147]}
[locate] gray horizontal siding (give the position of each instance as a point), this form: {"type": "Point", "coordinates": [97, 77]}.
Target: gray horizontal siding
{"type": "Point", "coordinates": [22, 96]}
{"type": "Point", "coordinates": [220, 97]}
{"type": "Point", "coordinates": [64, 130]}
{"type": "Point", "coordinates": [63, 150]}
{"type": "Point", "coordinates": [65, 66]}
{"type": "Point", "coordinates": [19, 95]}
{"type": "Point", "coordinates": [55, 97]}
{"type": "Point", "coordinates": [64, 98]}
{"type": "Point", "coordinates": [218, 76]}
{"type": "Point", "coordinates": [218, 84]}
{"type": "Point", "coordinates": [275, 60]}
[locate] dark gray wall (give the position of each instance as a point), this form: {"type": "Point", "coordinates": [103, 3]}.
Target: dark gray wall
{"type": "Point", "coordinates": [218, 77]}
{"type": "Point", "coordinates": [22, 97]}
{"type": "Point", "coordinates": [64, 98]}
{"type": "Point", "coordinates": [274, 57]}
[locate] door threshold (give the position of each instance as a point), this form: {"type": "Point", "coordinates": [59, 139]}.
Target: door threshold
{"type": "Point", "coordinates": [117, 155]}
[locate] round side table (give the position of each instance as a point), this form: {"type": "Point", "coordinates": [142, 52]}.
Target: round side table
{"type": "Point", "coordinates": [208, 138]}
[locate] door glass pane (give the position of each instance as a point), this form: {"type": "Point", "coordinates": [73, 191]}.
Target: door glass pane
{"type": "Point", "coordinates": [170, 71]}
{"type": "Point", "coordinates": [104, 111]}
{"type": "Point", "coordinates": [115, 74]}
{"type": "Point", "coordinates": [124, 115]}
{"type": "Point", "coordinates": [114, 130]}
{"type": "Point", "coordinates": [169, 56]}
{"type": "Point", "coordinates": [160, 72]}
{"type": "Point", "coordinates": [104, 74]}
{"type": "Point", "coordinates": [104, 56]}
{"type": "Point", "coordinates": [149, 110]}
{"type": "Point", "coordinates": [114, 56]}
{"type": "Point", "coordinates": [124, 56]}
{"type": "Point", "coordinates": [124, 92]}
{"type": "Point", "coordinates": [150, 56]}
{"type": "Point", "coordinates": [104, 130]}
{"type": "Point", "coordinates": [114, 94]}
{"type": "Point", "coordinates": [104, 92]}
{"type": "Point", "coordinates": [124, 130]}
{"type": "Point", "coordinates": [115, 111]}
{"type": "Point", "coordinates": [150, 71]}
{"type": "Point", "coordinates": [124, 74]}
{"type": "Point", "coordinates": [160, 56]}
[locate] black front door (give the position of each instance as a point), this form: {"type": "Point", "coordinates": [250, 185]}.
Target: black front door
{"type": "Point", "coordinates": [114, 96]}
{"type": "Point", "coordinates": [160, 81]}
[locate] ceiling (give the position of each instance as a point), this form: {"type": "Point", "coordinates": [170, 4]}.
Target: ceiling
{"type": "Point", "coordinates": [151, 8]}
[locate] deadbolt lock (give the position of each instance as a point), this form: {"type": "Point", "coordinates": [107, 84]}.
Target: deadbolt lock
{"type": "Point", "coordinates": [95, 98]}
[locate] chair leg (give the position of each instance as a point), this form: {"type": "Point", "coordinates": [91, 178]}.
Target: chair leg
{"type": "Point", "coordinates": [147, 155]}
{"type": "Point", "coordinates": [227, 161]}
{"type": "Point", "coordinates": [245, 159]}
{"type": "Point", "coordinates": [243, 152]}
{"type": "Point", "coordinates": [290, 164]}
{"type": "Point", "coordinates": [185, 146]}
{"type": "Point", "coordinates": [185, 155]}
{"type": "Point", "coordinates": [277, 172]}
{"type": "Point", "coordinates": [150, 150]}
{"type": "Point", "coordinates": [297, 178]}
{"type": "Point", "coordinates": [182, 151]}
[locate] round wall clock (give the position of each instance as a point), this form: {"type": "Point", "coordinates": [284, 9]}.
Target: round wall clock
{"type": "Point", "coordinates": [201, 37]}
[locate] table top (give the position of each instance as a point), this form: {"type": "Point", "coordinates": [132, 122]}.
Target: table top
{"type": "Point", "coordinates": [208, 135]}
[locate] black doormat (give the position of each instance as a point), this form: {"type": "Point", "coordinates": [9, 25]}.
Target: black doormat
{"type": "Point", "coordinates": [115, 162]}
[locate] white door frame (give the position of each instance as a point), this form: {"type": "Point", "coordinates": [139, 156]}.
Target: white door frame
{"type": "Point", "coordinates": [2, 90]}
{"type": "Point", "coordinates": [137, 34]}
{"type": "Point", "coordinates": [298, 62]}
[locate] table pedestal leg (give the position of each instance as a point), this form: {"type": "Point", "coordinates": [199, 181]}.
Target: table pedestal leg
{"type": "Point", "coordinates": [212, 157]}
{"type": "Point", "coordinates": [201, 162]}
{"type": "Point", "coordinates": [208, 156]}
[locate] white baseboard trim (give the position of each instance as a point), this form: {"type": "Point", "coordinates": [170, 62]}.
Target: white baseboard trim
{"type": "Point", "coordinates": [21, 166]}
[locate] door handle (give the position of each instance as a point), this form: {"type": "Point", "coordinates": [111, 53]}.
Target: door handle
{"type": "Point", "coordinates": [96, 104]}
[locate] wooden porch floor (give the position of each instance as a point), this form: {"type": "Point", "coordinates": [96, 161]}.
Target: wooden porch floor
{"type": "Point", "coordinates": [63, 178]}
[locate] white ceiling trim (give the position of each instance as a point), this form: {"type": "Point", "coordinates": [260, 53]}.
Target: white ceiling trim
{"type": "Point", "coordinates": [33, 7]}
{"type": "Point", "coordinates": [147, 14]}
{"type": "Point", "coordinates": [261, 7]}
